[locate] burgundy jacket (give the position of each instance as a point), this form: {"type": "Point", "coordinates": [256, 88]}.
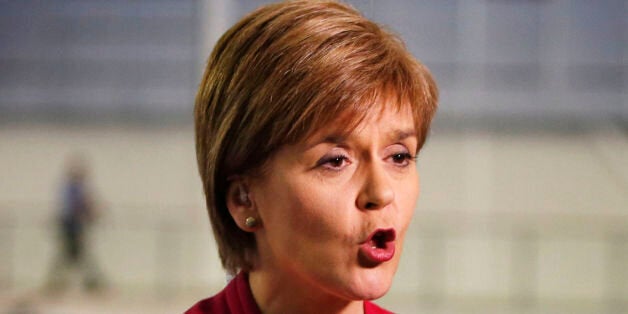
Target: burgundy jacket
{"type": "Point", "coordinates": [237, 298]}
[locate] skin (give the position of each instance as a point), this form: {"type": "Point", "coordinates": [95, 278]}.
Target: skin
{"type": "Point", "coordinates": [318, 201]}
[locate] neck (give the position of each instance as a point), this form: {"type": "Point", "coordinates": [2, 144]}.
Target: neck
{"type": "Point", "coordinates": [278, 292]}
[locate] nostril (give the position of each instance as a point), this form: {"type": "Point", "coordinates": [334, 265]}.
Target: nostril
{"type": "Point", "coordinates": [370, 205]}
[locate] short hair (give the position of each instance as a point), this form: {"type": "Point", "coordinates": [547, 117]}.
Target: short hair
{"type": "Point", "coordinates": [283, 72]}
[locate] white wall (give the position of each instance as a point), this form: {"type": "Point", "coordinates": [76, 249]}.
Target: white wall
{"type": "Point", "coordinates": [504, 220]}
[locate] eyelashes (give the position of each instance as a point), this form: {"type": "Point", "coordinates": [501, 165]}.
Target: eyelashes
{"type": "Point", "coordinates": [403, 157]}
{"type": "Point", "coordinates": [333, 162]}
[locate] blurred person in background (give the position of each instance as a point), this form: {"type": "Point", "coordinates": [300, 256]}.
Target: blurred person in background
{"type": "Point", "coordinates": [309, 119]}
{"type": "Point", "coordinates": [75, 217]}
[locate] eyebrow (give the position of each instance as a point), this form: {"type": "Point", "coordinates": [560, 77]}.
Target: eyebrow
{"type": "Point", "coordinates": [397, 135]}
{"type": "Point", "coordinates": [334, 139]}
{"type": "Point", "coordinates": [329, 139]}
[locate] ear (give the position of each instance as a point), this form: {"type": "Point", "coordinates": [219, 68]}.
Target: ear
{"type": "Point", "coordinates": [241, 206]}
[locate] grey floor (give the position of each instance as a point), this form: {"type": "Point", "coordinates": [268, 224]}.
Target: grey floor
{"type": "Point", "coordinates": [511, 219]}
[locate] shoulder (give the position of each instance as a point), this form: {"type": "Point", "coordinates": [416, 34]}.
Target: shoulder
{"type": "Point", "coordinates": [215, 304]}
{"type": "Point", "coordinates": [372, 308]}
{"type": "Point", "coordinates": [235, 298]}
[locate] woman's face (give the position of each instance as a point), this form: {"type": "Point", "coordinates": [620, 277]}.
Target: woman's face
{"type": "Point", "coordinates": [335, 208]}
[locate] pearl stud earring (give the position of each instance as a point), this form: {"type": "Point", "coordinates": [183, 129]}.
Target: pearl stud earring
{"type": "Point", "coordinates": [250, 222]}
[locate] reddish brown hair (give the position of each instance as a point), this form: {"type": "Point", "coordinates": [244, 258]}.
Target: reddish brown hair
{"type": "Point", "coordinates": [283, 72]}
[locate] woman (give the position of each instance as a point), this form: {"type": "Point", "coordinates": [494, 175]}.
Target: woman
{"type": "Point", "coordinates": [308, 122]}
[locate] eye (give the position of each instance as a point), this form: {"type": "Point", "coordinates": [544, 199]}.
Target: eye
{"type": "Point", "coordinates": [402, 159]}
{"type": "Point", "coordinates": [334, 162]}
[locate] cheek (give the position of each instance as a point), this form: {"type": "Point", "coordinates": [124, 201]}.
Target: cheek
{"type": "Point", "coordinates": [317, 211]}
{"type": "Point", "coordinates": [408, 187]}
{"type": "Point", "coordinates": [408, 196]}
{"type": "Point", "coordinates": [300, 208]}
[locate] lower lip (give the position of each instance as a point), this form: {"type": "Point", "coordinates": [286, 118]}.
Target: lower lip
{"type": "Point", "coordinates": [377, 254]}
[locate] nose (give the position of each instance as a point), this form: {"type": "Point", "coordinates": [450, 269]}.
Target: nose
{"type": "Point", "coordinates": [376, 191]}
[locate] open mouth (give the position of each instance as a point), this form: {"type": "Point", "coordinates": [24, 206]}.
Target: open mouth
{"type": "Point", "coordinates": [378, 248]}
{"type": "Point", "coordinates": [381, 237]}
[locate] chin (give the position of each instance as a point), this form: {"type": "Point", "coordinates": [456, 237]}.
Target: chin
{"type": "Point", "coordinates": [372, 292]}
{"type": "Point", "coordinates": [372, 283]}
{"type": "Point", "coordinates": [375, 293]}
